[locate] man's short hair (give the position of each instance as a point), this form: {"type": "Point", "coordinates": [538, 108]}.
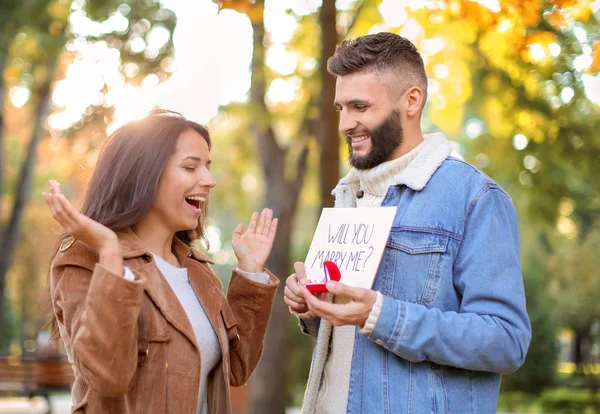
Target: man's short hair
{"type": "Point", "coordinates": [382, 53]}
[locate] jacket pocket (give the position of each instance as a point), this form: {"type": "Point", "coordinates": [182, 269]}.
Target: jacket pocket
{"type": "Point", "coordinates": [413, 264]}
{"type": "Point", "coordinates": [150, 381]}
{"type": "Point", "coordinates": [230, 323]}
{"type": "Point", "coordinates": [182, 392]}
{"type": "Point", "coordinates": [153, 333]}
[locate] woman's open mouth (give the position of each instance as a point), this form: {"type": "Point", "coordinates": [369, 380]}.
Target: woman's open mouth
{"type": "Point", "coordinates": [194, 202]}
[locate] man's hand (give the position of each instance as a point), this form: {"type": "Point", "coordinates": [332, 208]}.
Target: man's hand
{"type": "Point", "coordinates": [354, 312]}
{"type": "Point", "coordinates": [292, 296]}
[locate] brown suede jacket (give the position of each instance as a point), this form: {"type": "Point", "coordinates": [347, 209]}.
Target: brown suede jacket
{"type": "Point", "coordinates": [131, 344]}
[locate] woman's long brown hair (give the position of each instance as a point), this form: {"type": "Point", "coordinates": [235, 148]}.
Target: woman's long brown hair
{"type": "Point", "coordinates": [124, 184]}
{"type": "Point", "coordinates": [131, 161]}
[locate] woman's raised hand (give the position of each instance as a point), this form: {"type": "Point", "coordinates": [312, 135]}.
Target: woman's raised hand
{"type": "Point", "coordinates": [100, 238]}
{"type": "Point", "coordinates": [253, 247]}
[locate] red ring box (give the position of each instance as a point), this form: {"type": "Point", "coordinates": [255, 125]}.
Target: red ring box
{"type": "Point", "coordinates": [332, 272]}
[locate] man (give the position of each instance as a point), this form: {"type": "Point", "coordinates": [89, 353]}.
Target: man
{"type": "Point", "coordinates": [446, 315]}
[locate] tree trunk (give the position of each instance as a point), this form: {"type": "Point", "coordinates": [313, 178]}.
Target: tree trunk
{"type": "Point", "coordinates": [328, 135]}
{"type": "Point", "coordinates": [11, 233]}
{"type": "Point", "coordinates": [579, 348]}
{"type": "Point", "coordinates": [584, 356]}
{"type": "Point", "coordinates": [1, 144]}
{"type": "Point", "coordinates": [268, 385]}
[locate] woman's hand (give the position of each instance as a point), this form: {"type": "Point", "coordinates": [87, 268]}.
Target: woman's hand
{"type": "Point", "coordinates": [252, 248]}
{"type": "Point", "coordinates": [100, 238]}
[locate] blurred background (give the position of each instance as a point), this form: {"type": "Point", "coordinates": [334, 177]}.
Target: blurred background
{"type": "Point", "coordinates": [514, 84]}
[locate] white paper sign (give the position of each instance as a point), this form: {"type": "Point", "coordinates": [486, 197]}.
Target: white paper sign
{"type": "Point", "coordinates": [352, 238]}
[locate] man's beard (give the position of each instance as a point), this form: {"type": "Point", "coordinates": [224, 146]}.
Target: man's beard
{"type": "Point", "coordinates": [385, 138]}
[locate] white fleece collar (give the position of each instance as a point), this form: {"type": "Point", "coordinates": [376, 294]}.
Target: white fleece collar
{"type": "Point", "coordinates": [435, 150]}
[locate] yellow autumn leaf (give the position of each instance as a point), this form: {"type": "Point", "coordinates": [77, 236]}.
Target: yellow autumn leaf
{"type": "Point", "coordinates": [537, 50]}
{"type": "Point", "coordinates": [58, 11]}
{"type": "Point", "coordinates": [563, 3]}
{"type": "Point", "coordinates": [559, 19]}
{"type": "Point", "coordinates": [492, 109]}
{"type": "Point", "coordinates": [595, 66]}
{"type": "Point", "coordinates": [449, 118]}
{"type": "Point", "coordinates": [541, 37]}
{"type": "Point", "coordinates": [369, 18]}
{"type": "Point", "coordinates": [30, 46]}
{"type": "Point", "coordinates": [240, 6]}
{"type": "Point", "coordinates": [532, 86]}
{"type": "Point", "coordinates": [523, 118]}
{"type": "Point", "coordinates": [455, 8]}
{"type": "Point", "coordinates": [538, 128]}
{"type": "Point", "coordinates": [509, 97]}
{"type": "Point", "coordinates": [498, 47]}
{"type": "Point", "coordinates": [255, 13]}
{"type": "Point", "coordinates": [528, 56]}
{"type": "Point", "coordinates": [481, 15]}
{"type": "Point", "coordinates": [11, 75]}
{"type": "Point", "coordinates": [580, 11]}
{"type": "Point", "coordinates": [461, 31]}
{"type": "Point", "coordinates": [530, 12]}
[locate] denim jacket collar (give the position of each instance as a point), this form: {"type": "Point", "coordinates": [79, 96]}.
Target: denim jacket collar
{"type": "Point", "coordinates": [436, 149]}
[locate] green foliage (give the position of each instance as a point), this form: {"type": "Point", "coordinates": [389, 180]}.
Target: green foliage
{"type": "Point", "coordinates": [573, 266]}
{"type": "Point", "coordinates": [537, 373]}
{"type": "Point", "coordinates": [569, 401]}
{"type": "Point", "coordinates": [559, 401]}
{"type": "Point", "coordinates": [8, 23]}
{"type": "Point", "coordinates": [144, 16]}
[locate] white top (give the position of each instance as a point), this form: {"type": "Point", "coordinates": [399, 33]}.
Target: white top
{"type": "Point", "coordinates": [208, 343]}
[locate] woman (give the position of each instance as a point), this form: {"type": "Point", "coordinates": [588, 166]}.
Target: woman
{"type": "Point", "coordinates": [142, 316]}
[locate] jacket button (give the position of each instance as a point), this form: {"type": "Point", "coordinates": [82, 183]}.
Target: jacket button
{"type": "Point", "coordinates": [379, 342]}
{"type": "Point", "coordinates": [66, 244]}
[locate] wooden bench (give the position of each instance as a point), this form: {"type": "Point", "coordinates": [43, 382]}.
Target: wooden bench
{"type": "Point", "coordinates": [30, 376]}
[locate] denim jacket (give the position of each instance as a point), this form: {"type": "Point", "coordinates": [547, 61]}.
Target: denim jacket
{"type": "Point", "coordinates": [453, 317]}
